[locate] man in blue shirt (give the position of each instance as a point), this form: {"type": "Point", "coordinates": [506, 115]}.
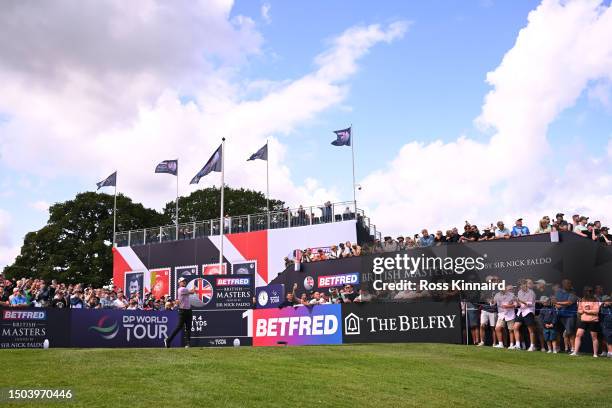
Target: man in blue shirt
{"type": "Point", "coordinates": [426, 240]}
{"type": "Point", "coordinates": [565, 302]}
{"type": "Point", "coordinates": [18, 299]}
{"type": "Point", "coordinates": [519, 229]}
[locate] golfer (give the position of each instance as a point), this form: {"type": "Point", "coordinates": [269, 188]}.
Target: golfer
{"type": "Point", "coordinates": [185, 314]}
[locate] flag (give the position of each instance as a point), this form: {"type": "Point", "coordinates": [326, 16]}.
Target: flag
{"type": "Point", "coordinates": [167, 166]}
{"type": "Point", "coordinates": [261, 154]}
{"type": "Point", "coordinates": [109, 181]}
{"type": "Point", "coordinates": [213, 164]}
{"type": "Point", "coordinates": [344, 137]}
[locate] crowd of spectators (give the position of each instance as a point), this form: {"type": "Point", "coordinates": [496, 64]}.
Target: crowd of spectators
{"type": "Point", "coordinates": [38, 293]}
{"type": "Point", "coordinates": [344, 294]}
{"type": "Point", "coordinates": [556, 319]}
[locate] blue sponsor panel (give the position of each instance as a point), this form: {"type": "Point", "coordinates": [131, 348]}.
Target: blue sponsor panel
{"type": "Point", "coordinates": [34, 328]}
{"type": "Point", "coordinates": [122, 328]}
{"type": "Point", "coordinates": [269, 296]}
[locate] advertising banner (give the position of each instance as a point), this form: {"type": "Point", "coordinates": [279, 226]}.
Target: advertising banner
{"type": "Point", "coordinates": [232, 292]}
{"type": "Point", "coordinates": [426, 322]}
{"type": "Point", "coordinates": [34, 328]}
{"type": "Point", "coordinates": [220, 328]}
{"type": "Point", "coordinates": [134, 284]}
{"type": "Point", "coordinates": [122, 328]}
{"type": "Point", "coordinates": [160, 282]}
{"type": "Point", "coordinates": [297, 326]}
{"type": "Point", "coordinates": [269, 296]}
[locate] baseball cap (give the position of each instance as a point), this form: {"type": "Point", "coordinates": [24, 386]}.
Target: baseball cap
{"type": "Point", "coordinates": [559, 215]}
{"type": "Point", "coordinates": [182, 279]}
{"type": "Point", "coordinates": [519, 219]}
{"type": "Point", "coordinates": [583, 218]}
{"type": "Point", "coordinates": [541, 282]}
{"type": "Point", "coordinates": [544, 299]}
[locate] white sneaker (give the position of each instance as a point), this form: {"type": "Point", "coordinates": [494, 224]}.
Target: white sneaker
{"type": "Point", "coordinates": [543, 350]}
{"type": "Point", "coordinates": [480, 344]}
{"type": "Point", "coordinates": [604, 354]}
{"type": "Point", "coordinates": [498, 345]}
{"type": "Point", "coordinates": [549, 351]}
{"type": "Point", "coordinates": [522, 346]}
{"type": "Point", "coordinates": [555, 351]}
{"type": "Point", "coordinates": [595, 355]}
{"type": "Point", "coordinates": [573, 353]}
{"type": "Point", "coordinates": [531, 348]}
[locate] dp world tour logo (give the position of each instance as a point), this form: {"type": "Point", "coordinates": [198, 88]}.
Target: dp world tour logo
{"type": "Point", "coordinates": [105, 330]}
{"type": "Point", "coordinates": [203, 292]}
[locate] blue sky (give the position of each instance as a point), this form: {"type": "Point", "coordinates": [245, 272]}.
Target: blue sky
{"type": "Point", "coordinates": [425, 85]}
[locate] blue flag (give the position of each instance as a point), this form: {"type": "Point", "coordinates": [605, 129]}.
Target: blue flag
{"type": "Point", "coordinates": [213, 164]}
{"type": "Point", "coordinates": [343, 137]}
{"type": "Point", "coordinates": [108, 182]}
{"type": "Point", "coordinates": [261, 154]}
{"type": "Point", "coordinates": [167, 166]}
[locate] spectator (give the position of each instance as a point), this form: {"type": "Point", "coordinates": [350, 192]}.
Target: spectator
{"type": "Point", "coordinates": [439, 239]}
{"type": "Point", "coordinates": [502, 231]}
{"type": "Point", "coordinates": [316, 299]}
{"type": "Point", "coordinates": [518, 229]}
{"type": "Point", "coordinates": [168, 306]}
{"type": "Point", "coordinates": [121, 302]}
{"type": "Point", "coordinates": [606, 324]}
{"type": "Point", "coordinates": [506, 303]}
{"type": "Point", "coordinates": [4, 298]}
{"type": "Point", "coordinates": [488, 316]}
{"type": "Point", "coordinates": [582, 229]}
{"type": "Point", "coordinates": [364, 296]}
{"type": "Point", "coordinates": [333, 252]}
{"type": "Point", "coordinates": [356, 250]}
{"type": "Point", "coordinates": [559, 219]}
{"type": "Point", "coordinates": [565, 302]}
{"type": "Point", "coordinates": [401, 244]}
{"type": "Point", "coordinates": [488, 234]}
{"type": "Point", "coordinates": [59, 300]}
{"type": "Point", "coordinates": [526, 315]}
{"type": "Point", "coordinates": [604, 237]}
{"type": "Point", "coordinates": [471, 234]}
{"type": "Point", "coordinates": [349, 294]}
{"type": "Point", "coordinates": [348, 250]}
{"type": "Point", "coordinates": [18, 299]}
{"type": "Point", "coordinates": [76, 300]}
{"type": "Point", "coordinates": [426, 240]}
{"type": "Point", "coordinates": [290, 299]}
{"type": "Point", "coordinates": [543, 227]}
{"type": "Point", "coordinates": [588, 310]}
{"type": "Point", "coordinates": [564, 226]}
{"type": "Point", "coordinates": [389, 245]}
{"type": "Point", "coordinates": [327, 211]}
{"type": "Point", "coordinates": [453, 236]}
{"type": "Point", "coordinates": [548, 316]}
{"type": "Point", "coordinates": [106, 302]}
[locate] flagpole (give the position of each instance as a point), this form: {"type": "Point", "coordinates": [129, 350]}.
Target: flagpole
{"type": "Point", "coordinates": [115, 211]}
{"type": "Point", "coordinates": [268, 182]}
{"type": "Point", "coordinates": [221, 218]}
{"type": "Point", "coordinates": [353, 154]}
{"type": "Point", "coordinates": [177, 198]}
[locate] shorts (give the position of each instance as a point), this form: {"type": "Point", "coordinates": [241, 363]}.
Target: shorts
{"type": "Point", "coordinates": [550, 334]}
{"type": "Point", "coordinates": [488, 318]}
{"type": "Point", "coordinates": [473, 320]}
{"type": "Point", "coordinates": [527, 320]}
{"type": "Point", "coordinates": [607, 335]}
{"type": "Point", "coordinates": [569, 325]}
{"type": "Point", "coordinates": [500, 323]}
{"type": "Point", "coordinates": [589, 326]}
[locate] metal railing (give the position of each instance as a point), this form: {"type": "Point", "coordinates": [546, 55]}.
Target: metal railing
{"type": "Point", "coordinates": [288, 218]}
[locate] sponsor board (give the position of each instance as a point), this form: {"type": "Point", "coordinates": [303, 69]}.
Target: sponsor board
{"type": "Point", "coordinates": [428, 322]}
{"type": "Point", "coordinates": [33, 328]}
{"type": "Point", "coordinates": [159, 282]}
{"type": "Point", "coordinates": [214, 269]}
{"type": "Point", "coordinates": [293, 326]}
{"type": "Point", "coordinates": [231, 292]}
{"type": "Point", "coordinates": [122, 328]}
{"type": "Point", "coordinates": [134, 284]}
{"type": "Point", "coordinates": [269, 296]}
{"type": "Point", "coordinates": [220, 328]}
{"type": "Point", "coordinates": [244, 268]}
{"type": "Point", "coordinates": [329, 281]}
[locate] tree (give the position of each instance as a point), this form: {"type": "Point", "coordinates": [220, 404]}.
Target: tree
{"type": "Point", "coordinates": [75, 245]}
{"type": "Point", "coordinates": [205, 204]}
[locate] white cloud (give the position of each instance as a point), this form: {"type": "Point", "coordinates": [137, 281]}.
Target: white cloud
{"type": "Point", "coordinates": [40, 205]}
{"type": "Point", "coordinates": [441, 184]}
{"type": "Point", "coordinates": [8, 251]}
{"type": "Point", "coordinates": [265, 12]}
{"type": "Point", "coordinates": [147, 82]}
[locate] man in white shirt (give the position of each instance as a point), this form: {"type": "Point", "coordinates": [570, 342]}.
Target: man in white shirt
{"type": "Point", "coordinates": [121, 302]}
{"type": "Point", "coordinates": [501, 232]}
{"type": "Point", "coordinates": [526, 314]}
{"type": "Point", "coordinates": [506, 304]}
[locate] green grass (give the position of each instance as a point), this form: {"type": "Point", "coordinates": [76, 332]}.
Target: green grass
{"type": "Point", "coordinates": [383, 375]}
